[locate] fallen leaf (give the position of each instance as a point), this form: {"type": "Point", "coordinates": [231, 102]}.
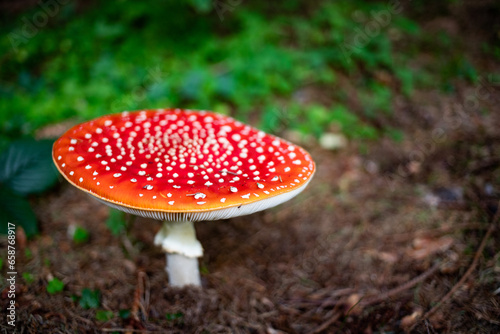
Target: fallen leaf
{"type": "Point", "coordinates": [409, 320]}
{"type": "Point", "coordinates": [353, 305]}
{"type": "Point", "coordinates": [424, 246]}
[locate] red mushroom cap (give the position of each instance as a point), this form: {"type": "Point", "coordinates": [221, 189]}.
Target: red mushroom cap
{"type": "Point", "coordinates": [178, 164]}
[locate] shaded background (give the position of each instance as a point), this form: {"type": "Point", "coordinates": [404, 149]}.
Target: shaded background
{"type": "Point", "coordinates": [397, 102]}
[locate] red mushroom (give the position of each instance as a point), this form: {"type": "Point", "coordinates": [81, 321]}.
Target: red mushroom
{"type": "Point", "coordinates": [181, 166]}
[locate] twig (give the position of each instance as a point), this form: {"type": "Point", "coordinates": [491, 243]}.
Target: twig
{"type": "Point", "coordinates": [408, 285]}
{"type": "Point", "coordinates": [326, 324]}
{"type": "Point", "coordinates": [467, 273]}
{"type": "Point", "coordinates": [465, 276]}
{"type": "Point", "coordinates": [141, 297]}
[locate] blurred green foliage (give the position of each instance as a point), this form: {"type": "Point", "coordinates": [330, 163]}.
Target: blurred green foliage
{"type": "Point", "coordinates": [81, 235]}
{"type": "Point", "coordinates": [116, 221]}
{"type": "Point", "coordinates": [90, 298]}
{"type": "Point", "coordinates": [246, 59]}
{"type": "Point", "coordinates": [55, 285]}
{"type": "Point", "coordinates": [28, 278]}
{"type": "Point", "coordinates": [104, 315]}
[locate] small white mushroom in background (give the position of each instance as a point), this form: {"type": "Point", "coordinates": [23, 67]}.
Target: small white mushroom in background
{"type": "Point", "coordinates": [217, 148]}
{"type": "Point", "coordinates": [332, 141]}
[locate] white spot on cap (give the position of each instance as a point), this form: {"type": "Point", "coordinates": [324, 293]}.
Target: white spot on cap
{"type": "Point", "coordinates": [149, 187]}
{"type": "Point", "coordinates": [191, 182]}
{"type": "Point", "coordinates": [71, 173]}
{"type": "Point", "coordinates": [117, 175]}
{"type": "Point", "coordinates": [171, 202]}
{"type": "Point", "coordinates": [141, 173]}
{"type": "Point", "coordinates": [133, 180]}
{"type": "Point", "coordinates": [71, 148]}
{"type": "Point", "coordinates": [98, 130]}
{"type": "Point", "coordinates": [233, 189]}
{"type": "Point", "coordinates": [140, 195]}
{"type": "Point", "coordinates": [88, 136]}
{"type": "Point", "coordinates": [144, 165]}
{"type": "Point", "coordinates": [159, 175]}
{"type": "Point", "coordinates": [169, 195]}
{"type": "Point", "coordinates": [88, 167]}
{"type": "Point", "coordinates": [260, 185]}
{"type": "Point", "coordinates": [208, 183]}
{"type": "Point", "coordinates": [91, 149]}
{"type": "Point", "coordinates": [79, 158]}
{"type": "Point", "coordinates": [81, 179]}
{"type": "Point", "coordinates": [245, 196]}
{"type": "Point", "coordinates": [275, 178]}
{"type": "Point", "coordinates": [297, 162]}
{"type": "Point", "coordinates": [222, 200]}
{"type": "Point", "coordinates": [199, 195]}
{"type": "Point", "coordinates": [200, 203]}
{"type": "Point", "coordinates": [59, 158]}
{"type": "Point", "coordinates": [108, 123]}
{"type": "Point", "coordinates": [73, 141]}
{"type": "Point", "coordinates": [236, 137]}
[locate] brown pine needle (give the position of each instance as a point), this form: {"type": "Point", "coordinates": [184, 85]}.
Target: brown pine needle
{"type": "Point", "coordinates": [408, 285]}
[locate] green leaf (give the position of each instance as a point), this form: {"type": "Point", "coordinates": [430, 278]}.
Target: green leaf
{"type": "Point", "coordinates": [54, 286]}
{"type": "Point", "coordinates": [104, 315]}
{"type": "Point", "coordinates": [16, 210]}
{"type": "Point", "coordinates": [28, 278]}
{"type": "Point", "coordinates": [90, 298]}
{"type": "Point", "coordinates": [26, 166]}
{"type": "Point", "coordinates": [81, 235]}
{"type": "Point", "coordinates": [116, 221]}
{"type": "Point", "coordinates": [174, 316]}
{"type": "Point", "coordinates": [124, 314]}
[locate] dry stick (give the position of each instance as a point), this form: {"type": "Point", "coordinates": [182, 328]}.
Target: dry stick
{"type": "Point", "coordinates": [464, 277]}
{"type": "Point", "coordinates": [326, 324]}
{"type": "Point", "coordinates": [141, 295]}
{"type": "Point", "coordinates": [467, 273]}
{"type": "Point", "coordinates": [408, 285]}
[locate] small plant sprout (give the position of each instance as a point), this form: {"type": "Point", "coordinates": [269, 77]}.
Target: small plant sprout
{"type": "Point", "coordinates": [181, 166]}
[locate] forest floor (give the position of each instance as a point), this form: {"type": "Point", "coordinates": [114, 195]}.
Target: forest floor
{"type": "Point", "coordinates": [401, 238]}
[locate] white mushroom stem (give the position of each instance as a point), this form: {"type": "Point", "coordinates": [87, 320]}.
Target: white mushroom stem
{"type": "Point", "coordinates": [178, 239]}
